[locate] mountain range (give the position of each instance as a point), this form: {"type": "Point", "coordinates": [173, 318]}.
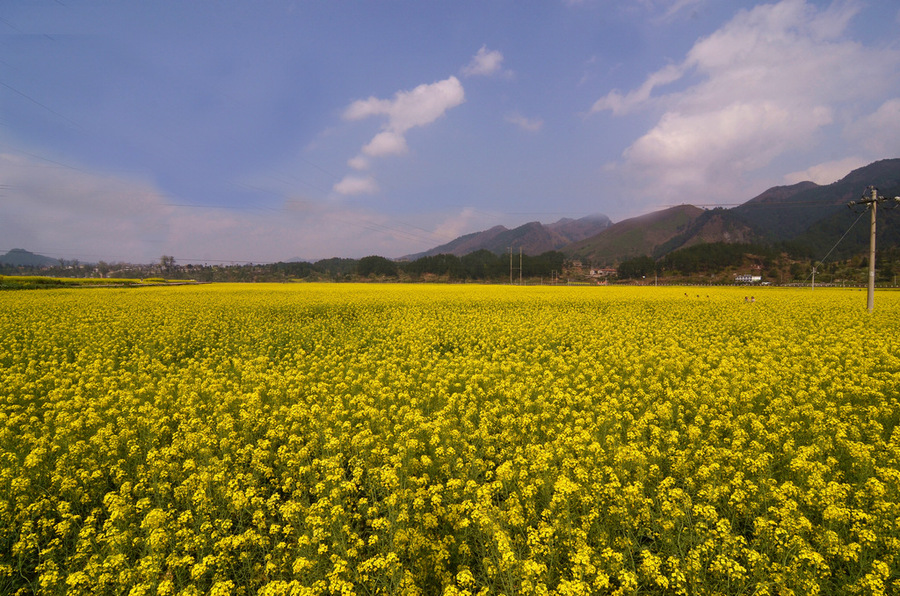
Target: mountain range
{"type": "Point", "coordinates": [533, 237]}
{"type": "Point", "coordinates": [810, 216]}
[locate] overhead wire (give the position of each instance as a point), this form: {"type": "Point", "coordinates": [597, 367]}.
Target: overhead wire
{"type": "Point", "coordinates": [36, 102]}
{"type": "Point", "coordinates": [822, 262]}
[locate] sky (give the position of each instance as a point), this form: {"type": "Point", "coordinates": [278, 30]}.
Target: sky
{"type": "Point", "coordinates": [234, 132]}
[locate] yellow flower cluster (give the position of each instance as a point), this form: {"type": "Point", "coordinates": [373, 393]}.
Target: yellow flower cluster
{"type": "Point", "coordinates": [459, 440]}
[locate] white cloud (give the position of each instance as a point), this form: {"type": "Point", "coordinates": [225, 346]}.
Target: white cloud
{"type": "Point", "coordinates": [828, 172]}
{"type": "Point", "coordinates": [408, 109]}
{"type": "Point", "coordinates": [736, 138]}
{"type": "Point", "coordinates": [768, 82]}
{"type": "Point", "coordinates": [679, 5]}
{"type": "Point", "coordinates": [528, 124]}
{"type": "Point", "coordinates": [387, 142]}
{"type": "Point", "coordinates": [354, 185]}
{"type": "Point", "coordinates": [358, 163]}
{"type": "Point", "coordinates": [879, 132]}
{"type": "Point", "coordinates": [418, 107]}
{"type": "Point", "coordinates": [484, 63]}
{"type": "Point", "coordinates": [660, 11]}
{"type": "Point", "coordinates": [620, 104]}
{"type": "Point", "coordinates": [363, 108]}
{"type": "Point", "coordinates": [455, 225]}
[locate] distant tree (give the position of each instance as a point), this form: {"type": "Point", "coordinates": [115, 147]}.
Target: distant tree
{"type": "Point", "coordinates": [336, 267]}
{"type": "Point", "coordinates": [167, 263]}
{"type": "Point", "coordinates": [543, 264]}
{"type": "Point", "coordinates": [376, 266]}
{"type": "Point", "coordinates": [442, 264]}
{"type": "Point", "coordinates": [636, 268]}
{"type": "Point", "coordinates": [483, 264]}
{"type": "Point", "coordinates": [300, 269]}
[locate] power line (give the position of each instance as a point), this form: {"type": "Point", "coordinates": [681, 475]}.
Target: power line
{"type": "Point", "coordinates": [822, 262]}
{"type": "Point", "coordinates": [36, 102]}
{"type": "Point", "coordinates": [752, 204]}
{"type": "Point", "coordinates": [47, 159]}
{"type": "Point", "coordinates": [842, 237]}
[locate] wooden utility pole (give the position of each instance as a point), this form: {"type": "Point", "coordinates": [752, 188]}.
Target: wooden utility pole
{"type": "Point", "coordinates": [870, 295]}
{"type": "Point", "coordinates": [871, 200]}
{"type": "Point", "coordinates": [511, 268]}
{"type": "Point", "coordinates": [520, 265]}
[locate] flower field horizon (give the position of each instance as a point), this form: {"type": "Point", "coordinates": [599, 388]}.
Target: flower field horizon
{"type": "Point", "coordinates": [449, 439]}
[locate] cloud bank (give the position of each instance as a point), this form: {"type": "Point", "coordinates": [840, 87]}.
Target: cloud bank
{"type": "Point", "coordinates": [766, 84]}
{"type": "Point", "coordinates": [70, 213]}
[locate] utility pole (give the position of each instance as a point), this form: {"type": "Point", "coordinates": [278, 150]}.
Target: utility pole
{"type": "Point", "coordinates": [511, 268]}
{"type": "Point", "coordinates": [871, 200]}
{"type": "Point", "coordinates": [870, 295]}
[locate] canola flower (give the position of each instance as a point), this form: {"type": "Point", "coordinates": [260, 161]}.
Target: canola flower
{"type": "Point", "coordinates": [459, 440]}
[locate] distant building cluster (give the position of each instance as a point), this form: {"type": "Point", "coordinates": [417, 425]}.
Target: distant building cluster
{"type": "Point", "coordinates": [747, 278]}
{"type": "Point", "coordinates": [603, 272]}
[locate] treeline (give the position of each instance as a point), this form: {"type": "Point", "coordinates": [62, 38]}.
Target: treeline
{"type": "Point", "coordinates": [699, 258]}
{"type": "Point", "coordinates": [485, 265]}
{"type": "Point", "coordinates": [776, 263]}
{"type": "Point", "coordinates": [482, 265]}
{"type": "Point", "coordinates": [782, 263]}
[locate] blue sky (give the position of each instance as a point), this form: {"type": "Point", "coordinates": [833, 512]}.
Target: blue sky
{"type": "Point", "coordinates": [263, 131]}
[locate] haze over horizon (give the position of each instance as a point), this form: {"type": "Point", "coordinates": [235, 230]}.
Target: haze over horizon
{"type": "Point", "coordinates": [236, 132]}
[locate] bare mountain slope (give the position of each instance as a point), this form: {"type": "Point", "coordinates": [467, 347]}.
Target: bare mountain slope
{"type": "Point", "coordinates": [634, 237]}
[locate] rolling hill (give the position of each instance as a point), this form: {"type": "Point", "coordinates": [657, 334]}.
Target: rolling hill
{"type": "Point", "coordinates": [19, 257]}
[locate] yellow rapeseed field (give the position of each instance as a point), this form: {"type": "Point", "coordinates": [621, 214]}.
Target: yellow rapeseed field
{"type": "Point", "coordinates": [458, 440]}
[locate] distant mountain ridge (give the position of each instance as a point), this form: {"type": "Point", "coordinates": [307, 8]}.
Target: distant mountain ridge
{"type": "Point", "coordinates": [785, 213]}
{"type": "Point", "coordinates": [805, 213]}
{"type": "Point", "coordinates": [533, 237]}
{"type": "Point", "coordinates": [636, 236]}
{"type": "Point", "coordinates": [793, 213]}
